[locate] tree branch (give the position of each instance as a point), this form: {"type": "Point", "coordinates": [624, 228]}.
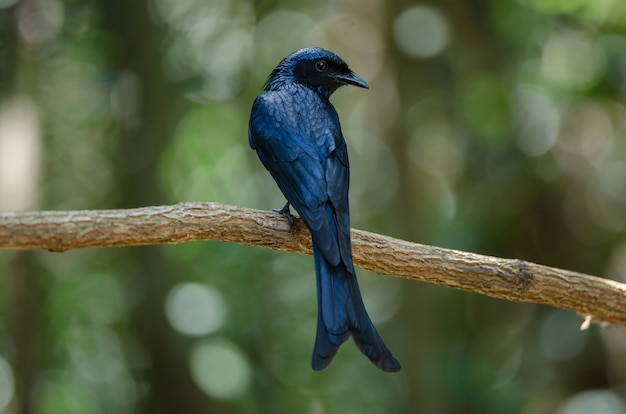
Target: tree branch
{"type": "Point", "coordinates": [594, 298]}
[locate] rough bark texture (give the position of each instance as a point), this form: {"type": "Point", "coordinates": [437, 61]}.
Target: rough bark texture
{"type": "Point", "coordinates": [594, 298]}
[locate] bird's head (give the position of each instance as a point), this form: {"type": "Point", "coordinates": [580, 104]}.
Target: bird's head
{"type": "Point", "coordinates": [315, 68]}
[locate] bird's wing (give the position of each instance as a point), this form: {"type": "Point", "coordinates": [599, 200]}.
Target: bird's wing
{"type": "Point", "coordinates": [301, 163]}
{"type": "Point", "coordinates": [337, 183]}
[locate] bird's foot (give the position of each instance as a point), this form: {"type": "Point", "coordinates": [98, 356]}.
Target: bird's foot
{"type": "Point", "coordinates": [286, 211]}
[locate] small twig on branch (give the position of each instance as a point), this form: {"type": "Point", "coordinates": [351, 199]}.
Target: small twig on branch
{"type": "Point", "coordinates": [594, 298]}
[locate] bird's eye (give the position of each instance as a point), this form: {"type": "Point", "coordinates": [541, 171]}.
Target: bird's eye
{"type": "Point", "coordinates": [321, 66]}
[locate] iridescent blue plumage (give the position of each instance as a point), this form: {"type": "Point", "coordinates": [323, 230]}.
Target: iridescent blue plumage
{"type": "Point", "coordinates": [296, 133]}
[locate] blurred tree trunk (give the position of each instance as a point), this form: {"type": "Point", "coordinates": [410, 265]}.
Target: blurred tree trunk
{"type": "Point", "coordinates": [8, 51]}
{"type": "Point", "coordinates": [25, 293]}
{"type": "Point", "coordinates": [26, 297]}
{"type": "Point", "coordinates": [152, 108]}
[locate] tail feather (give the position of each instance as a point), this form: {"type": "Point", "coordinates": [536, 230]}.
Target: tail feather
{"type": "Point", "coordinates": [341, 314]}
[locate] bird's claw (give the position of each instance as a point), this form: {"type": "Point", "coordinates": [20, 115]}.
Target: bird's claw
{"type": "Point", "coordinates": [286, 211]}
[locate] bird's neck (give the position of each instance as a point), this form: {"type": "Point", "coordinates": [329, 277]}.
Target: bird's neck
{"type": "Point", "coordinates": [324, 91]}
{"type": "Point", "coordinates": [280, 79]}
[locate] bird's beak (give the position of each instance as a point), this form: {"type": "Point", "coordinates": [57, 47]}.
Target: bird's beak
{"type": "Point", "coordinates": [353, 79]}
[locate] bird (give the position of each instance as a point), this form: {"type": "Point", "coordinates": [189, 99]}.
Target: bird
{"type": "Point", "coordinates": [296, 134]}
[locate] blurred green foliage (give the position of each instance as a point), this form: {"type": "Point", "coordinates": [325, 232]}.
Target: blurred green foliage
{"type": "Point", "coordinates": [490, 126]}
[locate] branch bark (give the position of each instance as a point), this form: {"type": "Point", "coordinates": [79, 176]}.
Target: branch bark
{"type": "Point", "coordinates": [594, 298]}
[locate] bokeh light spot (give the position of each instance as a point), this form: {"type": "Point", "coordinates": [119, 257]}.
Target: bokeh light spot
{"type": "Point", "coordinates": [593, 401]}
{"type": "Point", "coordinates": [421, 32]}
{"type": "Point", "coordinates": [195, 309]}
{"type": "Point", "coordinates": [39, 21]}
{"type": "Point", "coordinates": [7, 383]}
{"type": "Point", "coordinates": [539, 121]}
{"type": "Point", "coordinates": [20, 154]}
{"type": "Point", "coordinates": [571, 60]}
{"type": "Point", "coordinates": [220, 369]}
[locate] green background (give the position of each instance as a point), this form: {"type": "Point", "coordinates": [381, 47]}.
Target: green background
{"type": "Point", "coordinates": [496, 127]}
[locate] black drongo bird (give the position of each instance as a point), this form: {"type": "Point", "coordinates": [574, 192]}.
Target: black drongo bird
{"type": "Point", "coordinates": [296, 133]}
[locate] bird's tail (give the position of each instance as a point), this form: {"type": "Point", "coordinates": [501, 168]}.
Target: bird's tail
{"type": "Point", "coordinates": [341, 314]}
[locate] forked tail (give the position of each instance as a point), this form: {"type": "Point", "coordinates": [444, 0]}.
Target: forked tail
{"type": "Point", "coordinates": [341, 314]}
